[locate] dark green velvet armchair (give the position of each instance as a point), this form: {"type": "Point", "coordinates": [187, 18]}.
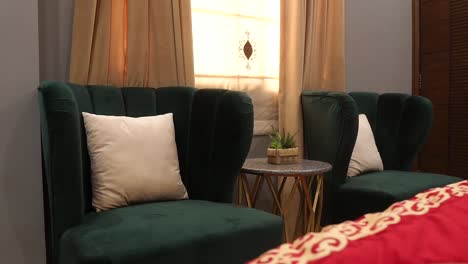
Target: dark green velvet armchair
{"type": "Point", "coordinates": [400, 124]}
{"type": "Point", "coordinates": [213, 135]}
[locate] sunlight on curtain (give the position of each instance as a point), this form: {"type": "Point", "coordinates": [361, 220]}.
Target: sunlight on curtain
{"type": "Point", "coordinates": [236, 47]}
{"type": "Point", "coordinates": [140, 43]}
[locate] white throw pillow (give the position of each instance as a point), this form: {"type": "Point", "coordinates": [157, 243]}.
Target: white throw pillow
{"type": "Point", "coordinates": [366, 156]}
{"type": "Point", "coordinates": [133, 160]}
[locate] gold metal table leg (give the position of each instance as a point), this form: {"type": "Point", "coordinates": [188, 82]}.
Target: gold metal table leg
{"type": "Point", "coordinates": [311, 209]}
{"type": "Point", "coordinates": [274, 193]}
{"type": "Point", "coordinates": [311, 217]}
{"type": "Point", "coordinates": [245, 186]}
{"type": "Point", "coordinates": [320, 203]}
{"type": "Point", "coordinates": [257, 187]}
{"type": "Point", "coordinates": [240, 191]}
{"type": "Point", "coordinates": [280, 191]}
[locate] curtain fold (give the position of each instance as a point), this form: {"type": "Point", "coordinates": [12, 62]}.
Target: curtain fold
{"type": "Point", "coordinates": [132, 43]}
{"type": "Point", "coordinates": [311, 57]}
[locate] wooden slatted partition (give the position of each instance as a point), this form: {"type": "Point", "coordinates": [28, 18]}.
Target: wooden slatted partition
{"type": "Point", "coordinates": [441, 67]}
{"type": "Point", "coordinates": [458, 90]}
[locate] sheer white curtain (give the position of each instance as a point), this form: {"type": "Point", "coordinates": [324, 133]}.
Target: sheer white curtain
{"type": "Point", "coordinates": [236, 47]}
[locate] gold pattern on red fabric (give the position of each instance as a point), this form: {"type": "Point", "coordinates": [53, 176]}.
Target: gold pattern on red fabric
{"type": "Point", "coordinates": [335, 238]}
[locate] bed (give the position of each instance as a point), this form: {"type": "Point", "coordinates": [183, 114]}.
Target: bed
{"type": "Point", "coordinates": [431, 227]}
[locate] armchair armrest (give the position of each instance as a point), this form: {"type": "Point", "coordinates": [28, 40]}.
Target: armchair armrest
{"type": "Point", "coordinates": [221, 132]}
{"type": "Point", "coordinates": [330, 122]}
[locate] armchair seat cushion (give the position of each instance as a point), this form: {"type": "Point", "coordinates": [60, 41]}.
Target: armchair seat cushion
{"type": "Point", "coordinates": [376, 191]}
{"type": "Point", "coordinates": [187, 231]}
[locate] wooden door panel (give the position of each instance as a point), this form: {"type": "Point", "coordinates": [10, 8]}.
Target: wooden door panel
{"type": "Point", "coordinates": [434, 155]}
{"type": "Point", "coordinates": [443, 65]}
{"type": "Point", "coordinates": [430, 10]}
{"type": "Point", "coordinates": [435, 37]}
{"type": "Point", "coordinates": [434, 26]}
{"type": "Point", "coordinates": [435, 79]}
{"type": "Point", "coordinates": [435, 69]}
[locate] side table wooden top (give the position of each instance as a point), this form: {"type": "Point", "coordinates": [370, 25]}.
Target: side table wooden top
{"type": "Point", "coordinates": [303, 167]}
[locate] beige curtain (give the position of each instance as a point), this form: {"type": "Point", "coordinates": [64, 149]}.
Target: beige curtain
{"type": "Point", "coordinates": [312, 57]}
{"type": "Point", "coordinates": [140, 43]}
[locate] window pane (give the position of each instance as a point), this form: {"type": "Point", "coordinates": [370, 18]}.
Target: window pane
{"type": "Point", "coordinates": [236, 47]}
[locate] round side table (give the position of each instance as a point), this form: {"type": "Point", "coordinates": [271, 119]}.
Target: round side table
{"type": "Point", "coordinates": [307, 174]}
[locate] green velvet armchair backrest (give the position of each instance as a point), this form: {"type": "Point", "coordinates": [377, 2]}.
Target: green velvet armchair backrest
{"type": "Point", "coordinates": [400, 124]}
{"type": "Point", "coordinates": [213, 134]}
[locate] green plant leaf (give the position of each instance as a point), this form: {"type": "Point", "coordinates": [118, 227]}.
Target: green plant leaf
{"type": "Point", "coordinates": [282, 140]}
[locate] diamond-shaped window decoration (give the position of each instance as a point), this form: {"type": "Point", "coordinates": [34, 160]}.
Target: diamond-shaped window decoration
{"type": "Point", "coordinates": [247, 49]}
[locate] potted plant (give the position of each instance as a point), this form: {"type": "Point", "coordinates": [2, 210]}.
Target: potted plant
{"type": "Point", "coordinates": [282, 149]}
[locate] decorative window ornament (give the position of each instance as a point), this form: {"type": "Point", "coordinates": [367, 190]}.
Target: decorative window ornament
{"type": "Point", "coordinates": [247, 50]}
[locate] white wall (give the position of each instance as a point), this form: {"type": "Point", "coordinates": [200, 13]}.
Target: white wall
{"type": "Point", "coordinates": [21, 211]}
{"type": "Point", "coordinates": [55, 30]}
{"type": "Point", "coordinates": [378, 45]}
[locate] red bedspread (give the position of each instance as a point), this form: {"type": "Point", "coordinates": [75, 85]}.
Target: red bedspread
{"type": "Point", "coordinates": [432, 227]}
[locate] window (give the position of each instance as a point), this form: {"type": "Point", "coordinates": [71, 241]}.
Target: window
{"type": "Point", "coordinates": [236, 47]}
